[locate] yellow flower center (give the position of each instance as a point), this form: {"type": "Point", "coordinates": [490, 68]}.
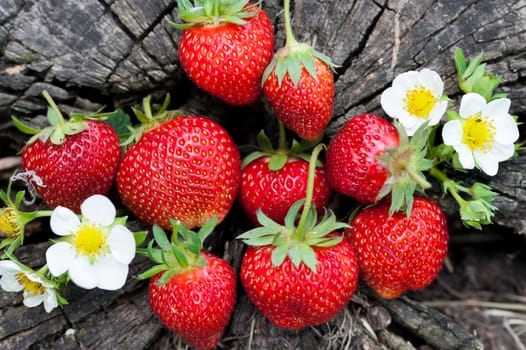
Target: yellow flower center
{"type": "Point", "coordinates": [419, 102]}
{"type": "Point", "coordinates": [479, 133]}
{"type": "Point", "coordinates": [30, 287]}
{"type": "Point", "coordinates": [8, 223]}
{"type": "Point", "coordinates": [90, 241]}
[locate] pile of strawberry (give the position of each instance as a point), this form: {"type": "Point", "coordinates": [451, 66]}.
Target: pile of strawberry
{"type": "Point", "coordinates": [181, 172]}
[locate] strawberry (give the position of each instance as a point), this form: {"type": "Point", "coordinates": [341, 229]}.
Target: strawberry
{"type": "Point", "coordinates": [370, 158]}
{"type": "Point", "coordinates": [299, 275]}
{"type": "Point", "coordinates": [399, 252]}
{"type": "Point", "coordinates": [187, 168]}
{"type": "Point", "coordinates": [70, 161]}
{"type": "Point", "coordinates": [225, 47]}
{"type": "Point", "coordinates": [299, 85]}
{"type": "Point", "coordinates": [191, 291]}
{"type": "Point", "coordinates": [273, 180]}
{"type": "Point", "coordinates": [352, 162]}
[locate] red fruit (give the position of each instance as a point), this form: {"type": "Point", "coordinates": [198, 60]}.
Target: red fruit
{"type": "Point", "coordinates": [295, 297]}
{"type": "Point", "coordinates": [305, 107]}
{"type": "Point", "coordinates": [225, 59]}
{"type": "Point", "coordinates": [352, 163]}
{"type": "Point", "coordinates": [83, 164]}
{"type": "Point", "coordinates": [399, 253]}
{"type": "Point", "coordinates": [187, 169]}
{"type": "Point", "coordinates": [302, 274]}
{"type": "Point", "coordinates": [196, 303]}
{"type": "Point", "coordinates": [274, 191]}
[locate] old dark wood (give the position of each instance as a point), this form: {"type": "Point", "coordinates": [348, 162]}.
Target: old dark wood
{"type": "Point", "coordinates": [95, 53]}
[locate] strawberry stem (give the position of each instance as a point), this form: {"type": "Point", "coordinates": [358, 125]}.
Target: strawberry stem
{"type": "Point", "coordinates": [299, 232]}
{"type": "Point", "coordinates": [60, 118]}
{"type": "Point", "coordinates": [290, 40]}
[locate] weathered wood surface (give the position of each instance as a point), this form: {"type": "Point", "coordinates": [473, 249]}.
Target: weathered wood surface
{"type": "Point", "coordinates": [114, 52]}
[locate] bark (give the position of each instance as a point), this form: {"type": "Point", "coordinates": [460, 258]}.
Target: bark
{"type": "Point", "coordinates": [95, 53]}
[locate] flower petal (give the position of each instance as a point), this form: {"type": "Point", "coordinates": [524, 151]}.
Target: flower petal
{"type": "Point", "coordinates": [497, 108]}
{"type": "Point", "coordinates": [452, 133]}
{"type": "Point", "coordinates": [32, 300]}
{"type": "Point", "coordinates": [50, 300]}
{"type": "Point", "coordinates": [503, 152]}
{"type": "Point", "coordinates": [392, 101]}
{"type": "Point", "coordinates": [82, 273]}
{"type": "Point", "coordinates": [487, 162]}
{"type": "Point", "coordinates": [432, 81]}
{"type": "Point", "coordinates": [437, 112]}
{"type": "Point", "coordinates": [59, 257]}
{"type": "Point", "coordinates": [406, 81]}
{"type": "Point", "coordinates": [64, 221]}
{"type": "Point", "coordinates": [507, 131]}
{"type": "Point", "coordinates": [471, 104]}
{"type": "Point", "coordinates": [111, 274]}
{"type": "Point", "coordinates": [9, 267]}
{"type": "Point", "coordinates": [122, 244]}
{"type": "Point", "coordinates": [8, 281]}
{"type": "Point", "coordinates": [465, 156]}
{"type": "Point", "coordinates": [99, 210]}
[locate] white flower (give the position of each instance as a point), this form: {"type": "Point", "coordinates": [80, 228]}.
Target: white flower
{"type": "Point", "coordinates": [484, 135]}
{"type": "Point", "coordinates": [414, 98]}
{"type": "Point", "coordinates": [96, 250]}
{"type": "Point", "coordinates": [36, 289]}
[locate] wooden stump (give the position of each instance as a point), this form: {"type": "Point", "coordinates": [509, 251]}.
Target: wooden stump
{"type": "Point", "coordinates": [94, 53]}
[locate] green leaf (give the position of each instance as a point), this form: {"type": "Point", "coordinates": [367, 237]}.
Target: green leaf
{"type": "Point", "coordinates": [207, 228]}
{"type": "Point", "coordinates": [23, 127]}
{"type": "Point", "coordinates": [308, 256]}
{"type": "Point", "coordinates": [119, 120]}
{"type": "Point", "coordinates": [277, 161]}
{"type": "Point", "coordinates": [140, 237]}
{"type": "Point", "coordinates": [52, 117]}
{"type": "Point", "coordinates": [180, 256]}
{"type": "Point", "coordinates": [166, 276]}
{"type": "Point", "coordinates": [295, 254]}
{"type": "Point", "coordinates": [57, 136]}
{"type": "Point", "coordinates": [160, 237]}
{"type": "Point", "coordinates": [292, 214]}
{"type": "Point", "coordinates": [294, 68]}
{"type": "Point", "coordinates": [460, 62]}
{"type": "Point", "coordinates": [260, 232]}
{"type": "Point", "coordinates": [151, 272]}
{"type": "Point", "coordinates": [265, 221]}
{"type": "Point", "coordinates": [279, 254]}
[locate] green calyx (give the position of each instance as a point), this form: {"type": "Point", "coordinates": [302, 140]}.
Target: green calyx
{"type": "Point", "coordinates": [148, 120]}
{"type": "Point", "coordinates": [213, 12]}
{"type": "Point", "coordinates": [296, 241]}
{"type": "Point", "coordinates": [59, 128]}
{"type": "Point", "coordinates": [294, 56]}
{"type": "Point", "coordinates": [472, 76]}
{"type": "Point", "coordinates": [178, 254]}
{"type": "Point", "coordinates": [406, 164]}
{"type": "Point", "coordinates": [278, 157]}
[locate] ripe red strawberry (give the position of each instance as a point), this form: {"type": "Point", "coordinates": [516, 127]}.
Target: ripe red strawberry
{"type": "Point", "coordinates": [304, 105]}
{"type": "Point", "coordinates": [370, 158]}
{"type": "Point", "coordinates": [352, 163]}
{"type": "Point", "coordinates": [294, 297]}
{"type": "Point", "coordinates": [70, 161]}
{"type": "Point", "coordinates": [274, 191]}
{"type": "Point", "coordinates": [273, 180]}
{"type": "Point", "coordinates": [399, 252]}
{"type": "Point", "coordinates": [225, 47]}
{"type": "Point", "coordinates": [299, 275]}
{"type": "Point", "coordinates": [191, 291]}
{"type": "Point", "coordinates": [187, 169]}
{"type": "Point", "coordinates": [299, 85]}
